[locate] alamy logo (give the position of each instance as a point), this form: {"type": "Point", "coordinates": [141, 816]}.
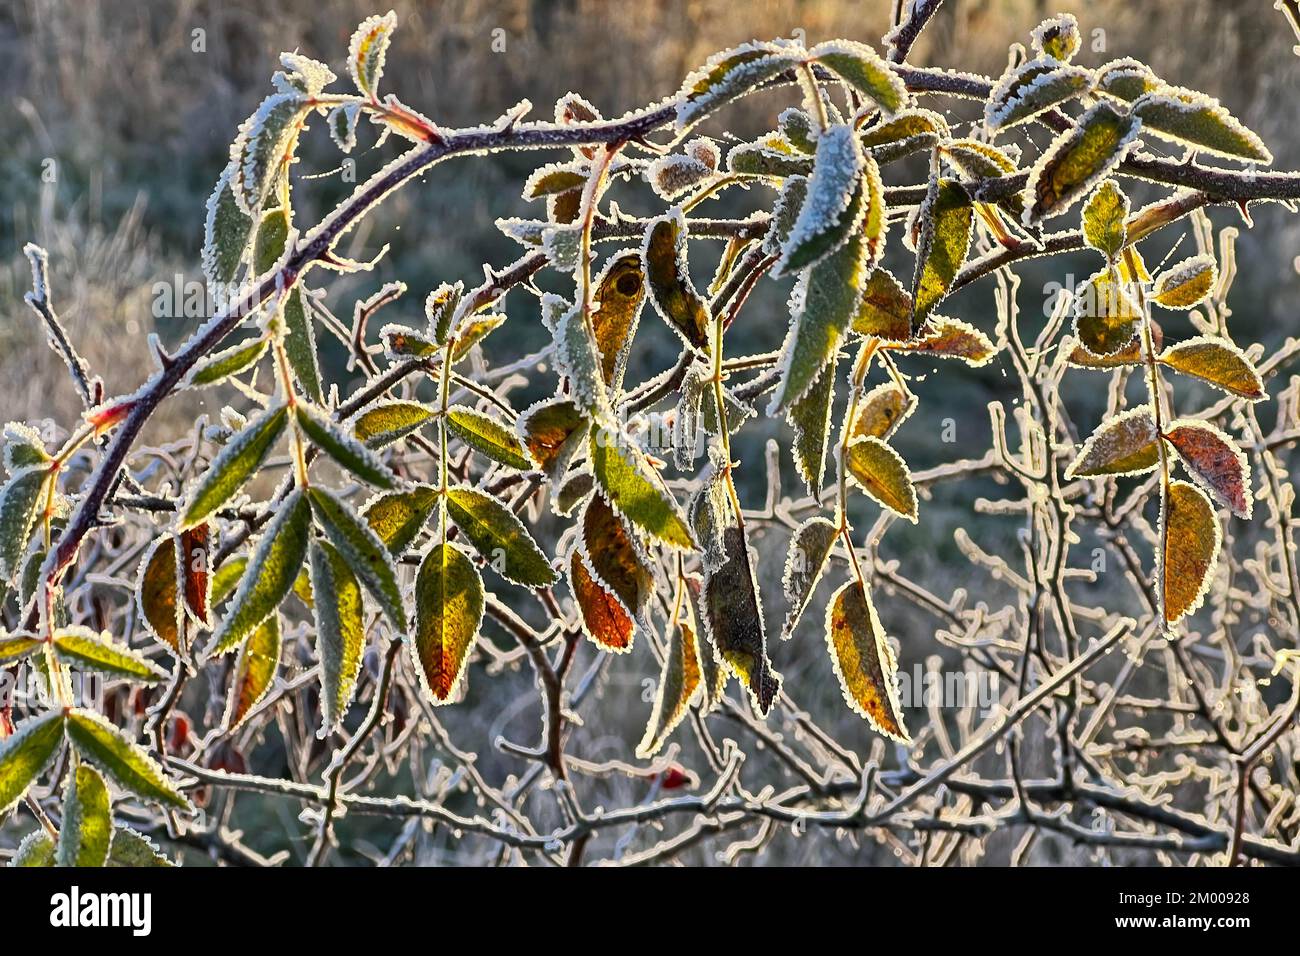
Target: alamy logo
{"type": "Point", "coordinates": [74, 909]}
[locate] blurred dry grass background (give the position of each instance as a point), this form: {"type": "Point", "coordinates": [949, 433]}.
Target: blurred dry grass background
{"type": "Point", "coordinates": [137, 124]}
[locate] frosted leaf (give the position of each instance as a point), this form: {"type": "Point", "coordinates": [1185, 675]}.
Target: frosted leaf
{"type": "Point", "coordinates": [979, 161]}
{"type": "Point", "coordinates": [620, 292]}
{"type": "Point", "coordinates": [810, 417]}
{"type": "Point", "coordinates": [1124, 444]}
{"type": "Point", "coordinates": [563, 246]}
{"type": "Point", "coordinates": [760, 159]}
{"type": "Point", "coordinates": [342, 122]}
{"type": "Point", "coordinates": [729, 75]}
{"type": "Point", "coordinates": [1078, 160]}
{"type": "Point", "coordinates": [1126, 79]}
{"type": "Point", "coordinates": [1190, 538]}
{"type": "Point", "coordinates": [579, 360]}
{"type": "Point", "coordinates": [886, 308]}
{"type": "Point", "coordinates": [554, 431]}
{"type": "Point", "coordinates": [554, 179]}
{"type": "Point", "coordinates": [1215, 461]}
{"type": "Point", "coordinates": [679, 685]}
{"type": "Point", "coordinates": [864, 661]}
{"type": "Point", "coordinates": [810, 547]}
{"type": "Point", "coordinates": [863, 69]}
{"type": "Point", "coordinates": [1185, 116]}
{"type": "Point", "coordinates": [613, 556]}
{"type": "Point", "coordinates": [1057, 37]}
{"type": "Point", "coordinates": [693, 393]}
{"type": "Point", "coordinates": [1030, 88]}
{"type": "Point", "coordinates": [627, 479]}
{"type": "Point", "coordinates": [440, 307]}
{"type": "Point", "coordinates": [669, 277]}
{"type": "Point", "coordinates": [1105, 219]}
{"type": "Point", "coordinates": [526, 232]}
{"type": "Point", "coordinates": [19, 501]}
{"type": "Point", "coordinates": [1218, 362]}
{"type": "Point", "coordinates": [880, 471]}
{"type": "Point", "coordinates": [307, 76]}
{"type": "Point", "coordinates": [882, 410]}
{"type": "Point", "coordinates": [1186, 284]}
{"type": "Point", "coordinates": [946, 220]}
{"type": "Point", "coordinates": [604, 619]}
{"type": "Point", "coordinates": [367, 49]}
{"type": "Point", "coordinates": [500, 537]}
{"type": "Point", "coordinates": [23, 447]}
{"type": "Point", "coordinates": [262, 146]}
{"type": "Point", "coordinates": [908, 132]}
{"type": "Point", "coordinates": [255, 668]}
{"type": "Point", "coordinates": [575, 108]}
{"type": "Point", "coordinates": [797, 129]}
{"type": "Point", "coordinates": [227, 233]}
{"type": "Point", "coordinates": [837, 167]}
{"type": "Point", "coordinates": [671, 176]}
{"type": "Point", "coordinates": [1105, 316]}
{"type": "Point", "coordinates": [553, 309]}
{"type": "Point", "coordinates": [704, 150]}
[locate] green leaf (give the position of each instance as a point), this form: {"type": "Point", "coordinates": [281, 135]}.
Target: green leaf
{"type": "Point", "coordinates": [343, 448]}
{"type": "Point", "coordinates": [947, 219]}
{"type": "Point", "coordinates": [340, 631]}
{"type": "Point", "coordinates": [500, 537]}
{"type": "Point", "coordinates": [474, 330]}
{"type": "Point", "coordinates": [386, 422]}
{"type": "Point", "coordinates": [633, 488]}
{"type": "Point", "coordinates": [367, 49]}
{"type": "Point", "coordinates": [760, 159]}
{"type": "Point", "coordinates": [272, 236]}
{"type": "Point", "coordinates": [678, 687]}
{"type": "Point", "coordinates": [978, 160]}
{"type": "Point", "coordinates": [254, 672]}
{"type": "Point", "coordinates": [364, 552]}
{"type": "Point", "coordinates": [104, 746]}
{"type": "Point", "coordinates": [226, 577]}
{"type": "Point", "coordinates": [23, 447]}
{"type": "Point", "coordinates": [490, 436]}
{"type": "Point", "coordinates": [403, 342]}
{"type": "Point", "coordinates": [235, 464]}
{"type": "Point", "coordinates": [1028, 89]}
{"type": "Point", "coordinates": [227, 231]}
{"type": "Point", "coordinates": [269, 575]}
{"type": "Point", "coordinates": [729, 75]}
{"type": "Point", "coordinates": [1218, 362]}
{"type": "Point", "coordinates": [1187, 284]}
{"type": "Point", "coordinates": [36, 850]}
{"type": "Point", "coordinates": [20, 499]}
{"type": "Point", "coordinates": [579, 359]}
{"type": "Point", "coordinates": [863, 69]}
{"type": "Point", "coordinates": [908, 132]}
{"type": "Point", "coordinates": [1078, 159]}
{"type": "Point", "coordinates": [1194, 119]}
{"type": "Point", "coordinates": [448, 611]}
{"type": "Point", "coordinates": [864, 661]}
{"type": "Point", "coordinates": [554, 179]}
{"type": "Point", "coordinates": [1057, 37]}
{"type": "Point", "coordinates": [834, 204]}
{"type": "Point", "coordinates": [824, 304]}
{"type": "Point", "coordinates": [398, 517]}
{"type": "Point", "coordinates": [86, 832]}
{"type": "Point", "coordinates": [810, 547]}
{"type": "Point", "coordinates": [620, 294]}
{"type": "Point", "coordinates": [25, 754]}
{"type": "Point", "coordinates": [1124, 444]}
{"type": "Point", "coordinates": [17, 647]}
{"type": "Point", "coordinates": [300, 344]}
{"type": "Point", "coordinates": [82, 647]}
{"type": "Point", "coordinates": [671, 290]}
{"type": "Point", "coordinates": [440, 308]}
{"type": "Point", "coordinates": [230, 362]}
{"type": "Point", "coordinates": [810, 417]}
{"type": "Point", "coordinates": [1126, 79]}
{"type": "Point", "coordinates": [262, 147]}
{"type": "Point", "coordinates": [1105, 317]}
{"type": "Point", "coordinates": [133, 849]}
{"type": "Point", "coordinates": [882, 473]}
{"type": "Point", "coordinates": [1105, 219]}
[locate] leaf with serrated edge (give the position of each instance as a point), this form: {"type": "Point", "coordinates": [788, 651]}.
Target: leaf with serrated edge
{"type": "Point", "coordinates": [227, 231]}
{"type": "Point", "coordinates": [194, 556]}
{"type": "Point", "coordinates": [947, 220]}
{"type": "Point", "coordinates": [340, 631]}
{"type": "Point", "coordinates": [448, 611]}
{"type": "Point", "coordinates": [133, 849]}
{"type": "Point", "coordinates": [1218, 362]}
{"type": "Point", "coordinates": [886, 308]}
{"type": "Point", "coordinates": [1215, 461]}
{"type": "Point", "coordinates": [110, 751]}
{"type": "Point", "coordinates": [235, 464]}
{"type": "Point", "coordinates": [833, 204]}
{"type": "Point", "coordinates": [810, 547]}
{"type": "Point", "coordinates": [82, 647]}
{"type": "Point", "coordinates": [367, 49]}
{"type": "Point", "coordinates": [1124, 444]}
{"type": "Point", "coordinates": [269, 575]}
{"type": "Point", "coordinates": [942, 337]}
{"type": "Point", "coordinates": [881, 473]}
{"type": "Point", "coordinates": [553, 431]}
{"type": "Point", "coordinates": [1029, 88]}
{"type": "Point", "coordinates": [1078, 159]}
{"type": "Point", "coordinates": [489, 436]}
{"type": "Point", "coordinates": [36, 850]}
{"type": "Point", "coordinates": [346, 450]}
{"type": "Point", "coordinates": [226, 578]}
{"type": "Point", "coordinates": [1186, 284]}
{"type": "Point", "coordinates": [864, 661]}
{"type": "Point", "coordinates": [386, 422]}
{"type": "Point", "coordinates": [578, 359]}
{"type": "Point", "coordinates": [1106, 318]}
{"type": "Point", "coordinates": [604, 619]}
{"type": "Point", "coordinates": [882, 410]}
{"type": "Point", "coordinates": [157, 592]}
{"type": "Point", "coordinates": [1105, 217]}
{"type": "Point", "coordinates": [254, 671]}
{"type": "Point", "coordinates": [500, 537]}
{"type": "Point", "coordinates": [1057, 37]}
{"type": "Point", "coordinates": [86, 832]}
{"type": "Point", "coordinates": [25, 754]}
{"type": "Point", "coordinates": [678, 687]}
{"type": "Point", "coordinates": [19, 501]}
{"type": "Point", "coordinates": [398, 516]}
{"type": "Point", "coordinates": [863, 69]}
{"type": "Point", "coordinates": [17, 647]}
{"type": "Point", "coordinates": [729, 75]}
{"type": "Point", "coordinates": [364, 552]}
{"type": "Point", "coordinates": [620, 295]}
{"type": "Point", "coordinates": [1190, 538]}
{"type": "Point", "coordinates": [1192, 118]}
{"type": "Point", "coordinates": [810, 417]}
{"type": "Point", "coordinates": [23, 447]}
{"type": "Point", "coordinates": [613, 556]}
{"type": "Point", "coordinates": [229, 362]}
{"type": "Point", "coordinates": [629, 483]}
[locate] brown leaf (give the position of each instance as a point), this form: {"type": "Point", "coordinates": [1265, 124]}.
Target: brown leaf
{"type": "Point", "coordinates": [620, 293]}
{"type": "Point", "coordinates": [1190, 548]}
{"type": "Point", "coordinates": [943, 337]}
{"type": "Point", "coordinates": [156, 593]}
{"type": "Point", "coordinates": [196, 571]}
{"type": "Point", "coordinates": [1215, 461]}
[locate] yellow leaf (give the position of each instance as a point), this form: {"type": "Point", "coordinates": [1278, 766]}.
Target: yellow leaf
{"type": "Point", "coordinates": [883, 474]}
{"type": "Point", "coordinates": [1190, 548]}
{"type": "Point", "coordinates": [864, 661]}
{"type": "Point", "coordinates": [1218, 362]}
